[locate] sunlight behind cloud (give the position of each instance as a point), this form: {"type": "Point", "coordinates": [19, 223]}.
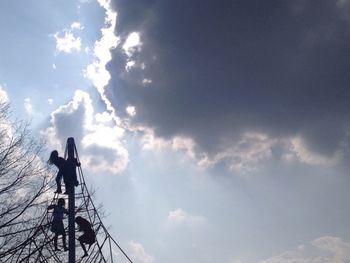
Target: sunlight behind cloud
{"type": "Point", "coordinates": [306, 156]}
{"type": "Point", "coordinates": [131, 110]}
{"type": "Point", "coordinates": [99, 138]}
{"type": "Point", "coordinates": [132, 44]}
{"type": "Point", "coordinates": [130, 64]}
{"type": "Point", "coordinates": [96, 72]}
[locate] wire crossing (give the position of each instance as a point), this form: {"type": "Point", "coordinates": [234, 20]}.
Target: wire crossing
{"type": "Point", "coordinates": [39, 245]}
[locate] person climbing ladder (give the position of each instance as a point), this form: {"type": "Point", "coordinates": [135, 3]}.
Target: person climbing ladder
{"type": "Point", "coordinates": [70, 177]}
{"type": "Point", "coordinates": [89, 236]}
{"type": "Point", "coordinates": [57, 226]}
{"type": "Point", "coordinates": [60, 163]}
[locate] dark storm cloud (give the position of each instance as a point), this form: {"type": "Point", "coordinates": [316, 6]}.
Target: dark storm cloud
{"type": "Point", "coordinates": [220, 68]}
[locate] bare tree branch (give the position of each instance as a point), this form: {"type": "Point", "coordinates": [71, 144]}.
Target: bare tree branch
{"type": "Point", "coordinates": [24, 181]}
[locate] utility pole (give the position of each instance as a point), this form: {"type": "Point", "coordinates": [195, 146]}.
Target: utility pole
{"type": "Point", "coordinates": [71, 175]}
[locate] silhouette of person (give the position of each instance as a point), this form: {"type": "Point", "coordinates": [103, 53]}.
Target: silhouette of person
{"type": "Point", "coordinates": [60, 163]}
{"type": "Point", "coordinates": [89, 236]}
{"type": "Point", "coordinates": [57, 226]}
{"type": "Point", "coordinates": [70, 177]}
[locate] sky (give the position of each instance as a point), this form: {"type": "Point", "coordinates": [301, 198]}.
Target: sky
{"type": "Point", "coordinates": [212, 131]}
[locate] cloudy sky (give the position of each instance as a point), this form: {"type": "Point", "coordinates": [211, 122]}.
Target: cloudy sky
{"type": "Point", "coordinates": [212, 131]}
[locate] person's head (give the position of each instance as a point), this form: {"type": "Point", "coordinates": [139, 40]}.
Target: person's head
{"type": "Point", "coordinates": [61, 202]}
{"type": "Point", "coordinates": [53, 157]}
{"type": "Point", "coordinates": [78, 220]}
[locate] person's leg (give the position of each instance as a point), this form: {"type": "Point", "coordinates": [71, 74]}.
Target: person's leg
{"type": "Point", "coordinates": [55, 241]}
{"type": "Point", "coordinates": [64, 242]}
{"type": "Point", "coordinates": [58, 182]}
{"type": "Point", "coordinates": [84, 248]}
{"type": "Point", "coordinates": [66, 185]}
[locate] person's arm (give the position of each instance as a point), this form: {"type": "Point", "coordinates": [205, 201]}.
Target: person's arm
{"type": "Point", "coordinates": [51, 207]}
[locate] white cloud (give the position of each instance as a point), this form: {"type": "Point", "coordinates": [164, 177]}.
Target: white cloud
{"type": "Point", "coordinates": [246, 153]}
{"type": "Point", "coordinates": [243, 155]}
{"type": "Point", "coordinates": [180, 216]}
{"type": "Point", "coordinates": [252, 148]}
{"type": "Point", "coordinates": [325, 249]}
{"type": "Point", "coordinates": [28, 105]}
{"type": "Point", "coordinates": [138, 253]}
{"type": "Point", "coordinates": [306, 156]}
{"type": "Point", "coordinates": [97, 72]}
{"type": "Point", "coordinates": [178, 143]}
{"type": "Point", "coordinates": [131, 110]}
{"type": "Point", "coordinates": [76, 25]}
{"type": "Point", "coordinates": [98, 138]}
{"type": "Point", "coordinates": [132, 44]}
{"type": "Point", "coordinates": [133, 64]}
{"type": "Point", "coordinates": [50, 101]}
{"type": "Point", "coordinates": [338, 249]}
{"type": "Point", "coordinates": [3, 95]}
{"type": "Point", "coordinates": [130, 64]}
{"type": "Point", "coordinates": [146, 82]}
{"type": "Point", "coordinates": [67, 43]}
